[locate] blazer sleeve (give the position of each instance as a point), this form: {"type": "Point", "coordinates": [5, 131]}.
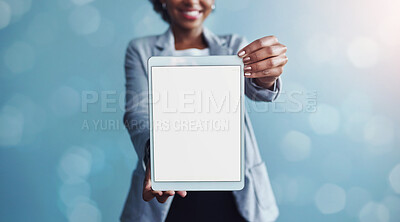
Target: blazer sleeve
{"type": "Point", "coordinates": [136, 117]}
{"type": "Point", "coordinates": [255, 92]}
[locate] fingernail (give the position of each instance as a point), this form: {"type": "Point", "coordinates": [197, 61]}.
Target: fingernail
{"type": "Point", "coordinates": [241, 53]}
{"type": "Point", "coordinates": [247, 74]}
{"type": "Point", "coordinates": [247, 68]}
{"type": "Point", "coordinates": [246, 59]}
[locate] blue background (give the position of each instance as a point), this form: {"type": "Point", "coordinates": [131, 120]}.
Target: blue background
{"type": "Point", "coordinates": [331, 141]}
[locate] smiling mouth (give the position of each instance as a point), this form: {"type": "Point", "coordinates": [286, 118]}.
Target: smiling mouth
{"type": "Point", "coordinates": [191, 14]}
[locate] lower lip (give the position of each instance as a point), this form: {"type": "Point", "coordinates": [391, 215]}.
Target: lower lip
{"type": "Point", "coordinates": [190, 17]}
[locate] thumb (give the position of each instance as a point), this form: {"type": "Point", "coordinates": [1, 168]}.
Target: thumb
{"type": "Point", "coordinates": [182, 193]}
{"type": "Point", "coordinates": [148, 175]}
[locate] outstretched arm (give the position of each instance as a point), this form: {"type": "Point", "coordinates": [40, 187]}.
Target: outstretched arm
{"type": "Point", "coordinates": [264, 60]}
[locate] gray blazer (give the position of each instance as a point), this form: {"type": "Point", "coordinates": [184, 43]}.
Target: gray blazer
{"type": "Point", "coordinates": [256, 201]}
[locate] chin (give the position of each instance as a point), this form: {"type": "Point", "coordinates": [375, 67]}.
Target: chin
{"type": "Point", "coordinates": [190, 25]}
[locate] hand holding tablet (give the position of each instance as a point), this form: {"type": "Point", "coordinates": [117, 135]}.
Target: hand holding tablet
{"type": "Point", "coordinates": [149, 193]}
{"type": "Point", "coordinates": [196, 124]}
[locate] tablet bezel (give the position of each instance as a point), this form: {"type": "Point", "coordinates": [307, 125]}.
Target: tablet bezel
{"type": "Point", "coordinates": [172, 61]}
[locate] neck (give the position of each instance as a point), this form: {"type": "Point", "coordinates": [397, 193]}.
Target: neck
{"type": "Point", "coordinates": [188, 38]}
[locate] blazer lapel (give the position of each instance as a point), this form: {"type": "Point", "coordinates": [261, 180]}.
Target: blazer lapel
{"type": "Point", "coordinates": [165, 43]}
{"type": "Point", "coordinates": [217, 45]}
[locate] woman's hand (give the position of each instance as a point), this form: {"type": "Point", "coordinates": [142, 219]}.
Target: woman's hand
{"type": "Point", "coordinates": [149, 193]}
{"type": "Point", "coordinates": [264, 60]}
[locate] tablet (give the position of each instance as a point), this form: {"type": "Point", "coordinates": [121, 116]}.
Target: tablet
{"type": "Point", "coordinates": [196, 108]}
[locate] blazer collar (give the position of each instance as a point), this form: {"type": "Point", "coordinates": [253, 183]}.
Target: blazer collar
{"type": "Point", "coordinates": [218, 46]}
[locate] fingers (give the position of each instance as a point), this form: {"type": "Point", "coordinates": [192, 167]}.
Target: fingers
{"type": "Point", "coordinates": [258, 44]}
{"type": "Point", "coordinates": [165, 196]}
{"type": "Point", "coordinates": [149, 193]}
{"type": "Point", "coordinates": [162, 196]}
{"type": "Point", "coordinates": [182, 193]}
{"type": "Point", "coordinates": [147, 177]}
{"type": "Point", "coordinates": [268, 75]}
{"type": "Point", "coordinates": [266, 64]}
{"type": "Point", "coordinates": [264, 53]}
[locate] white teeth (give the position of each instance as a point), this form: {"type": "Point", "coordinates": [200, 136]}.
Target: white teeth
{"type": "Point", "coordinates": [192, 13]}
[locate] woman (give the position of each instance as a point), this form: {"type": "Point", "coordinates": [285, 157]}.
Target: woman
{"type": "Point", "coordinates": [263, 59]}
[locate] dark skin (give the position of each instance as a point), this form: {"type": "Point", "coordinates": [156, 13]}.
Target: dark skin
{"type": "Point", "coordinates": [263, 59]}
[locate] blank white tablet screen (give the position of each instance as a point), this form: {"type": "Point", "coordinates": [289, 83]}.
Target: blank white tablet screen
{"type": "Point", "coordinates": [196, 123]}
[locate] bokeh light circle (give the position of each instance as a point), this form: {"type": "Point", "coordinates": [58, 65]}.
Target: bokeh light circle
{"type": "Point", "coordinates": [104, 35]}
{"type": "Point", "coordinates": [357, 110]}
{"type": "Point", "coordinates": [85, 20]}
{"type": "Point", "coordinates": [98, 159]}
{"type": "Point", "coordinates": [363, 52]}
{"type": "Point", "coordinates": [19, 57]}
{"type": "Point", "coordinates": [325, 43]}
{"type": "Point", "coordinates": [378, 131]}
{"type": "Point", "coordinates": [394, 178]}
{"type": "Point", "coordinates": [19, 7]}
{"type": "Point", "coordinates": [330, 199]}
{"type": "Point", "coordinates": [75, 165]}
{"type": "Point", "coordinates": [296, 146]}
{"type": "Point", "coordinates": [65, 101]}
{"type": "Point", "coordinates": [5, 14]}
{"type": "Point", "coordinates": [374, 212]}
{"type": "Point", "coordinates": [11, 126]}
{"type": "Point", "coordinates": [72, 194]}
{"type": "Point", "coordinates": [34, 115]}
{"type": "Point", "coordinates": [85, 212]}
{"type": "Point", "coordinates": [392, 202]}
{"type": "Point", "coordinates": [356, 198]}
{"type": "Point", "coordinates": [285, 189]}
{"type": "Point", "coordinates": [325, 120]}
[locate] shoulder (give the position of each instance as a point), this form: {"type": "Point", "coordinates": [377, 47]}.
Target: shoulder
{"type": "Point", "coordinates": [234, 41]}
{"type": "Point", "coordinates": [142, 43]}
{"type": "Point", "coordinates": [139, 49]}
